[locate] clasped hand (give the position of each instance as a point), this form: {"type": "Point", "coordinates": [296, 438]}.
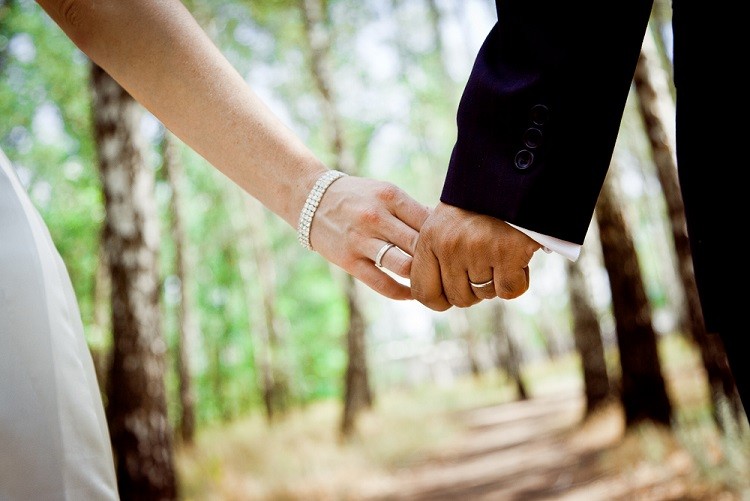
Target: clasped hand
{"type": "Point", "coordinates": [442, 251]}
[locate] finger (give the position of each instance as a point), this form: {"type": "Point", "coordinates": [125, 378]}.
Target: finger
{"type": "Point", "coordinates": [511, 284]}
{"type": "Point", "coordinates": [380, 223]}
{"type": "Point", "coordinates": [379, 281]}
{"type": "Point", "coordinates": [455, 284]}
{"type": "Point", "coordinates": [426, 281]}
{"type": "Point", "coordinates": [394, 259]}
{"type": "Point", "coordinates": [404, 207]}
{"type": "Point", "coordinates": [486, 291]}
{"type": "Point", "coordinates": [409, 214]}
{"type": "Point", "coordinates": [396, 231]}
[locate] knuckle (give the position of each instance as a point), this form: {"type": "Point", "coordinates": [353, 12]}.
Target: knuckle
{"type": "Point", "coordinates": [370, 216]}
{"type": "Point", "coordinates": [508, 290]}
{"type": "Point", "coordinates": [476, 240]}
{"type": "Point", "coordinates": [73, 12]}
{"type": "Point", "coordinates": [388, 193]}
{"type": "Point", "coordinates": [448, 247]}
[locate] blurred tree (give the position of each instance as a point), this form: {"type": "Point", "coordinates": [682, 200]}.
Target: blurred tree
{"type": "Point", "coordinates": [588, 339]}
{"type": "Point", "coordinates": [661, 31]}
{"type": "Point", "coordinates": [507, 356]}
{"type": "Point", "coordinates": [136, 409]}
{"type": "Point", "coordinates": [425, 82]}
{"type": "Point", "coordinates": [5, 32]}
{"type": "Point", "coordinates": [436, 20]}
{"type": "Point", "coordinates": [358, 393]}
{"type": "Point", "coordinates": [551, 336]}
{"type": "Point", "coordinates": [642, 388]}
{"type": "Point", "coordinates": [101, 324]}
{"type": "Point", "coordinates": [46, 132]}
{"type": "Point", "coordinates": [461, 328]}
{"type": "Point", "coordinates": [656, 106]}
{"type": "Point", "coordinates": [187, 328]}
{"type": "Point", "coordinates": [257, 266]}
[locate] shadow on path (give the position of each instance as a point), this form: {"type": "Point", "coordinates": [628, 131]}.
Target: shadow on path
{"type": "Point", "coordinates": [540, 449]}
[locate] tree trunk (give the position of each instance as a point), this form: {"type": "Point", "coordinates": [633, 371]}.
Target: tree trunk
{"type": "Point", "coordinates": [656, 104]}
{"type": "Point", "coordinates": [643, 392]}
{"type": "Point", "coordinates": [358, 394]}
{"type": "Point", "coordinates": [435, 17]}
{"type": "Point", "coordinates": [102, 329]}
{"type": "Point", "coordinates": [554, 345]}
{"type": "Point", "coordinates": [187, 330]}
{"type": "Point", "coordinates": [257, 266]}
{"type": "Point", "coordinates": [5, 8]}
{"type": "Point", "coordinates": [461, 328]}
{"type": "Point", "coordinates": [507, 356]}
{"type": "Point", "coordinates": [588, 339]}
{"type": "Point", "coordinates": [661, 27]}
{"type": "Point", "coordinates": [319, 45]}
{"type": "Point", "coordinates": [137, 410]}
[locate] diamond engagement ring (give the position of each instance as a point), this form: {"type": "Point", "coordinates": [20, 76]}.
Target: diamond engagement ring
{"type": "Point", "coordinates": [481, 284]}
{"type": "Point", "coordinates": [381, 253]}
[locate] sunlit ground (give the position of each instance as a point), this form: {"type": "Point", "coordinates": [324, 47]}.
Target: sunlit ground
{"type": "Point", "coordinates": [401, 444]}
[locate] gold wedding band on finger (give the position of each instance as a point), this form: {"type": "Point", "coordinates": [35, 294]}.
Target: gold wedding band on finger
{"type": "Point", "coordinates": [481, 284]}
{"type": "Point", "coordinates": [385, 248]}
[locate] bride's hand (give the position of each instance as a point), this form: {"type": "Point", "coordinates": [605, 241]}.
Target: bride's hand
{"type": "Point", "coordinates": [356, 218]}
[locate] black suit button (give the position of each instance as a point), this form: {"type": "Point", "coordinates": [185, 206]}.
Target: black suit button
{"type": "Point", "coordinates": [538, 114]}
{"type": "Point", "coordinates": [524, 159]}
{"type": "Point", "coordinates": [532, 138]}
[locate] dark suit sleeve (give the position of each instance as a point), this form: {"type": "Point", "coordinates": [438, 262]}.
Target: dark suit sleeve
{"type": "Point", "coordinates": [539, 116]}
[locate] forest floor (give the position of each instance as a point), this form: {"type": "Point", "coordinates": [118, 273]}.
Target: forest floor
{"type": "Point", "coordinates": [476, 441]}
{"type": "Point", "coordinates": [540, 449]}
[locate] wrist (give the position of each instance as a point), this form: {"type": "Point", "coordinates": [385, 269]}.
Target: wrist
{"type": "Point", "coordinates": [310, 206]}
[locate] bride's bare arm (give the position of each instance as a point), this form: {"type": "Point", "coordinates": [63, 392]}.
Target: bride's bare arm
{"type": "Point", "coordinates": [157, 52]}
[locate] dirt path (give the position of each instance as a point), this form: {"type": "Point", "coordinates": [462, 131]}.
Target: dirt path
{"type": "Point", "coordinates": [537, 450]}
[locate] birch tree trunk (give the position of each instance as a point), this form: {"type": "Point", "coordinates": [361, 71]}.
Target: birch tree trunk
{"type": "Point", "coordinates": [656, 106]}
{"type": "Point", "coordinates": [436, 21]}
{"type": "Point", "coordinates": [358, 394]}
{"type": "Point", "coordinates": [257, 266]}
{"type": "Point", "coordinates": [187, 330]}
{"type": "Point", "coordinates": [461, 328]}
{"type": "Point", "coordinates": [137, 410]}
{"type": "Point", "coordinates": [507, 353]}
{"type": "Point", "coordinates": [587, 334]}
{"type": "Point", "coordinates": [643, 391]}
{"type": "Point", "coordinates": [101, 325]}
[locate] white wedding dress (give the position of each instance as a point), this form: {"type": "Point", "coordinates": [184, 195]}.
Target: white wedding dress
{"type": "Point", "coordinates": [54, 443]}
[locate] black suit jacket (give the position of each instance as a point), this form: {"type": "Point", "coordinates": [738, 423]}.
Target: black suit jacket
{"type": "Point", "coordinates": [540, 114]}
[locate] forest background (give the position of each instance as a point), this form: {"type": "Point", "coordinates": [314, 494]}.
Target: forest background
{"type": "Point", "coordinates": [258, 340]}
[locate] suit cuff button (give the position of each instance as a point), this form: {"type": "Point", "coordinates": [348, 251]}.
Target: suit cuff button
{"type": "Point", "coordinates": [539, 114]}
{"type": "Point", "coordinates": [532, 138]}
{"type": "Point", "coordinates": [524, 159]}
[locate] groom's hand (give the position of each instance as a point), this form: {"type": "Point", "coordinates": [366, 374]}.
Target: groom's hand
{"type": "Point", "coordinates": [457, 247]}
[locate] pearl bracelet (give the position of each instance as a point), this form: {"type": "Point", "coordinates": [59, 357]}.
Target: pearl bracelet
{"type": "Point", "coordinates": [311, 205]}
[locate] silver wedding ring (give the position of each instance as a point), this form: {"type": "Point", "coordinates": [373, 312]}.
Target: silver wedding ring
{"type": "Point", "coordinates": [481, 284]}
{"type": "Point", "coordinates": [381, 253]}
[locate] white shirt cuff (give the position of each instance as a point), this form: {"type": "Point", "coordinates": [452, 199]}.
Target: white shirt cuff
{"type": "Point", "coordinates": [551, 244]}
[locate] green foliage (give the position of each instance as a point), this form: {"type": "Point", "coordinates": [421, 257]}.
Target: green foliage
{"type": "Point", "coordinates": [397, 94]}
{"type": "Point", "coordinates": [44, 102]}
